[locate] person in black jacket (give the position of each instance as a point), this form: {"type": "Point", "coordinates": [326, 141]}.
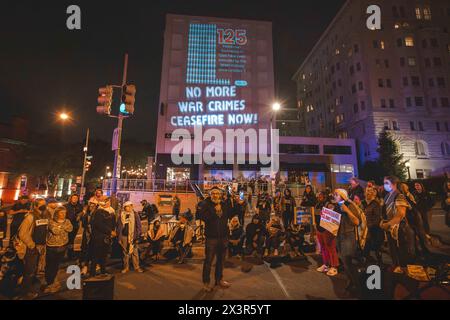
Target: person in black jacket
{"type": "Point", "coordinates": [255, 235]}
{"type": "Point", "coordinates": [215, 215]}
{"type": "Point", "coordinates": [288, 205]}
{"type": "Point", "coordinates": [236, 237]}
{"type": "Point", "coordinates": [103, 226]}
{"type": "Point", "coordinates": [424, 204]}
{"type": "Point", "coordinates": [74, 210]}
{"type": "Point", "coordinates": [355, 190]}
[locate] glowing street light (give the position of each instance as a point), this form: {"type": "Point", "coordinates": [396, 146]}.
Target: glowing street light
{"type": "Point", "coordinates": [276, 106]}
{"type": "Point", "coordinates": [63, 116]}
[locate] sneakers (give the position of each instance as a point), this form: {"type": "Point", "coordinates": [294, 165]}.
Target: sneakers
{"type": "Point", "coordinates": [52, 288]}
{"type": "Point", "coordinates": [224, 284]}
{"type": "Point", "coordinates": [84, 270]}
{"type": "Point", "coordinates": [322, 268]}
{"type": "Point", "coordinates": [124, 270]}
{"type": "Point", "coordinates": [275, 252]}
{"type": "Point", "coordinates": [398, 270]}
{"type": "Point", "coordinates": [332, 272]}
{"type": "Point", "coordinates": [207, 287]}
{"type": "Point", "coordinates": [139, 270]}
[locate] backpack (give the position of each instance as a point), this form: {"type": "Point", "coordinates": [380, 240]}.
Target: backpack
{"type": "Point", "coordinates": [361, 229]}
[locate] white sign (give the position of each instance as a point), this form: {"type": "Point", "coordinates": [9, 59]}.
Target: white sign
{"type": "Point", "coordinates": [330, 220]}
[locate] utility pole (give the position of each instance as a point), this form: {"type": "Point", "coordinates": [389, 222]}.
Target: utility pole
{"type": "Point", "coordinates": [85, 150]}
{"type": "Point", "coordinates": [118, 135]}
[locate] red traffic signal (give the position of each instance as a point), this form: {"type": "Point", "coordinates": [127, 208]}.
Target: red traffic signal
{"type": "Point", "coordinates": [128, 97]}
{"type": "Point", "coordinates": [105, 100]}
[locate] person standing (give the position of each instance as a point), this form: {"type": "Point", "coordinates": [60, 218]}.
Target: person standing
{"type": "Point", "coordinates": [355, 190]}
{"type": "Point", "coordinates": [309, 198]}
{"type": "Point", "coordinates": [32, 235]}
{"type": "Point", "coordinates": [264, 207]}
{"type": "Point", "coordinates": [375, 235]}
{"type": "Point", "coordinates": [52, 204]}
{"type": "Point", "coordinates": [288, 205]}
{"type": "Point", "coordinates": [395, 224]}
{"type": "Point", "coordinates": [59, 228]}
{"type": "Point", "coordinates": [240, 208]}
{"type": "Point", "coordinates": [214, 214]}
{"type": "Point", "coordinates": [424, 203]}
{"type": "Point", "coordinates": [18, 212]}
{"type": "Point", "coordinates": [176, 206]}
{"type": "Point", "coordinates": [86, 248]}
{"type": "Point", "coordinates": [129, 230]}
{"type": "Point", "coordinates": [74, 211]}
{"type": "Point", "coordinates": [103, 230]}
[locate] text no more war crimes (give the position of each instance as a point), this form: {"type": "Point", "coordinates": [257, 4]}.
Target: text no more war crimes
{"type": "Point", "coordinates": [215, 108]}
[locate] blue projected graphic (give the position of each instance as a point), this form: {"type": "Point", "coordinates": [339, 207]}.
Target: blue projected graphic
{"type": "Point", "coordinates": [202, 52]}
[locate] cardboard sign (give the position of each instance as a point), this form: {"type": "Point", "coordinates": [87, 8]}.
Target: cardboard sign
{"type": "Point", "coordinates": [330, 220]}
{"type": "Point", "coordinates": [302, 215]}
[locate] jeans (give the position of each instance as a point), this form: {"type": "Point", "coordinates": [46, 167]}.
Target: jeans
{"type": "Point", "coordinates": [287, 219]}
{"type": "Point", "coordinates": [347, 251]}
{"type": "Point", "coordinates": [30, 262]}
{"type": "Point", "coordinates": [53, 259]}
{"type": "Point", "coordinates": [214, 248]}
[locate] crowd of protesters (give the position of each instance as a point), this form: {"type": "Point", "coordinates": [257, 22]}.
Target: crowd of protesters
{"type": "Point", "coordinates": [43, 232]}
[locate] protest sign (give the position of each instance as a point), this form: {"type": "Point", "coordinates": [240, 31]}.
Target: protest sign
{"type": "Point", "coordinates": [330, 220]}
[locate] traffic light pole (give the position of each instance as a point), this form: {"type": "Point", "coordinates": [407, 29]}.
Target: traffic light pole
{"type": "Point", "coordinates": [117, 160]}
{"type": "Point", "coordinates": [85, 150]}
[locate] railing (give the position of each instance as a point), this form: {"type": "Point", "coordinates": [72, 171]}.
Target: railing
{"type": "Point", "coordinates": [159, 185]}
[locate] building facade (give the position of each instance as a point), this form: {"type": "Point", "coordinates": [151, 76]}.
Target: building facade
{"type": "Point", "coordinates": [357, 82]}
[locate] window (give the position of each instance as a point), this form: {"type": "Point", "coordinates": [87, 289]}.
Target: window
{"type": "Point", "coordinates": [427, 62]}
{"type": "Point", "coordinates": [382, 45]}
{"type": "Point", "coordinates": [445, 102]}
{"type": "Point", "coordinates": [438, 126]}
{"type": "Point", "coordinates": [418, 14]}
{"type": "Point", "coordinates": [445, 148]}
{"type": "Point", "coordinates": [337, 149]}
{"type": "Point", "coordinates": [375, 44]}
{"type": "Point", "coordinates": [356, 48]}
{"type": "Point", "coordinates": [299, 148]}
{"type": "Point", "coordinates": [391, 103]}
{"type": "Point", "coordinates": [437, 62]}
{"type": "Point", "coordinates": [441, 82]}
{"type": "Point", "coordinates": [409, 41]}
{"type": "Point", "coordinates": [354, 88]}
{"type": "Point", "coordinates": [434, 102]}
{"type": "Point", "coordinates": [405, 81]}
{"type": "Point", "coordinates": [399, 42]}
{"type": "Point", "coordinates": [434, 42]}
{"type": "Point", "coordinates": [408, 102]}
{"type": "Point", "coordinates": [386, 125]}
{"type": "Point", "coordinates": [427, 13]}
{"type": "Point", "coordinates": [420, 148]}
{"type": "Point", "coordinates": [412, 126]}
{"type": "Point", "coordinates": [383, 103]}
{"type": "Point", "coordinates": [423, 173]}
{"type": "Point", "coordinates": [395, 126]}
{"type": "Point", "coordinates": [380, 83]}
{"type": "Point", "coordinates": [355, 108]}
{"type": "Point", "coordinates": [395, 12]}
{"type": "Point", "coordinates": [363, 105]}
{"type": "Point", "coordinates": [360, 86]}
{"type": "Point", "coordinates": [402, 62]}
{"type": "Point", "coordinates": [418, 101]}
{"type": "Point", "coordinates": [411, 61]}
{"type": "Point", "coordinates": [424, 43]}
{"type": "Point", "coordinates": [431, 82]}
{"type": "Point", "coordinates": [358, 66]}
{"type": "Point", "coordinates": [388, 83]}
{"type": "Point", "coordinates": [386, 63]}
{"type": "Point", "coordinates": [420, 125]}
{"type": "Point", "coordinates": [352, 70]}
{"type": "Point", "coordinates": [415, 81]}
{"type": "Point", "coordinates": [377, 62]}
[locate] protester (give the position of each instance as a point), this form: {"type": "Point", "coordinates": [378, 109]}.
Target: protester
{"type": "Point", "coordinates": [263, 207]}
{"type": "Point", "coordinates": [355, 190]}
{"type": "Point", "coordinates": [18, 212]}
{"type": "Point", "coordinates": [240, 208]}
{"type": "Point", "coordinates": [86, 245]}
{"type": "Point", "coordinates": [327, 241]}
{"type": "Point", "coordinates": [236, 237]}
{"type": "Point", "coordinates": [347, 237]}
{"type": "Point", "coordinates": [295, 235]}
{"type": "Point", "coordinates": [98, 197]}
{"type": "Point", "coordinates": [446, 202]}
{"type": "Point", "coordinates": [424, 204]}
{"type": "Point", "coordinates": [74, 211]}
{"type": "Point", "coordinates": [255, 234]}
{"type": "Point", "coordinates": [309, 198]}
{"type": "Point", "coordinates": [59, 228]}
{"type": "Point", "coordinates": [288, 205]}
{"type": "Point", "coordinates": [129, 230]}
{"type": "Point", "coordinates": [274, 236]}
{"type": "Point", "coordinates": [176, 206]}
{"type": "Point", "coordinates": [103, 230]}
{"type": "Point", "coordinates": [214, 214]}
{"type": "Point", "coordinates": [3, 226]}
{"type": "Point", "coordinates": [149, 211]}
{"type": "Point", "coordinates": [52, 204]}
{"type": "Point", "coordinates": [181, 238]}
{"type": "Point", "coordinates": [372, 210]}
{"type": "Point", "coordinates": [395, 225]}
{"type": "Point", "coordinates": [156, 235]}
{"type": "Point", "coordinates": [277, 203]}
{"type": "Point", "coordinates": [32, 238]}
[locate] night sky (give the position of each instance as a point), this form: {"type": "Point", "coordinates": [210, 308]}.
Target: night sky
{"type": "Point", "coordinates": [44, 67]}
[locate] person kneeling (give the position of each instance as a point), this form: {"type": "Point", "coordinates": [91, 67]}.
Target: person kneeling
{"type": "Point", "coordinates": [296, 238]}
{"type": "Point", "coordinates": [274, 237]}
{"type": "Point", "coordinates": [181, 238]}
{"type": "Point", "coordinates": [156, 235]}
{"type": "Point", "coordinates": [255, 235]}
{"type": "Point", "coordinates": [236, 237]}
{"type": "Point", "coordinates": [129, 229]}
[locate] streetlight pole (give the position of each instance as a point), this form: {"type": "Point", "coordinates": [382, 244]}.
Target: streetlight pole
{"type": "Point", "coordinates": [85, 150]}
{"type": "Point", "coordinates": [275, 108]}
{"type": "Point", "coordinates": [408, 165]}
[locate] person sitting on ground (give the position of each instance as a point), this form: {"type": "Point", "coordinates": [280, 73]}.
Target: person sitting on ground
{"type": "Point", "coordinates": [156, 235]}
{"type": "Point", "coordinates": [129, 230]}
{"type": "Point", "coordinates": [254, 236]}
{"type": "Point", "coordinates": [181, 238]}
{"type": "Point", "coordinates": [274, 236]}
{"type": "Point", "coordinates": [57, 239]}
{"type": "Point", "coordinates": [236, 238]}
{"type": "Point", "coordinates": [296, 238]}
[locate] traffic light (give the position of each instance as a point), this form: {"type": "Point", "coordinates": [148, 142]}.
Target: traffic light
{"type": "Point", "coordinates": [128, 99]}
{"type": "Point", "coordinates": [88, 162]}
{"type": "Point", "coordinates": [105, 100]}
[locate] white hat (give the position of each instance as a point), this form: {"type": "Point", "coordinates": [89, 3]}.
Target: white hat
{"type": "Point", "coordinates": [128, 203]}
{"type": "Point", "coordinates": [343, 193]}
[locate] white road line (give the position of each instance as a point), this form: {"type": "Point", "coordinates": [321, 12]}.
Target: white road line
{"type": "Point", "coordinates": [278, 279]}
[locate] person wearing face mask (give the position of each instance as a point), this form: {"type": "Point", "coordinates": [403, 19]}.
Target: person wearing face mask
{"type": "Point", "coordinates": [33, 235]}
{"type": "Point", "coordinates": [156, 235]}
{"type": "Point", "coordinates": [375, 237]}
{"type": "Point", "coordinates": [215, 215]}
{"type": "Point", "coordinates": [103, 225]}
{"type": "Point", "coordinates": [395, 224]}
{"type": "Point", "coordinates": [58, 237]}
{"type": "Point", "coordinates": [288, 207]}
{"type": "Point", "coordinates": [129, 230]}
{"type": "Point", "coordinates": [181, 238]}
{"type": "Point", "coordinates": [347, 237]}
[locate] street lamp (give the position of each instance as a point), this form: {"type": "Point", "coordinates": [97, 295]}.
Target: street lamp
{"type": "Point", "coordinates": [276, 106]}
{"type": "Point", "coordinates": [109, 174]}
{"type": "Point", "coordinates": [408, 165]}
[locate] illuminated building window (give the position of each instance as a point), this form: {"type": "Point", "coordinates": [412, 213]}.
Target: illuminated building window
{"type": "Point", "coordinates": [382, 45]}
{"type": "Point", "coordinates": [427, 13]}
{"type": "Point", "coordinates": [397, 26]}
{"type": "Point", "coordinates": [418, 14]}
{"type": "Point", "coordinates": [423, 173]}
{"type": "Point", "coordinates": [337, 52]}
{"type": "Point", "coordinates": [445, 149]}
{"type": "Point", "coordinates": [421, 148]}
{"type": "Point", "coordinates": [411, 61]}
{"type": "Point", "coordinates": [409, 41]}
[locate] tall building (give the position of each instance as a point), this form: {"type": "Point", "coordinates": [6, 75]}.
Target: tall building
{"type": "Point", "coordinates": [357, 82]}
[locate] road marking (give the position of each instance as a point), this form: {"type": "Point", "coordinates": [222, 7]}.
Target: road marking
{"type": "Point", "coordinates": [278, 279]}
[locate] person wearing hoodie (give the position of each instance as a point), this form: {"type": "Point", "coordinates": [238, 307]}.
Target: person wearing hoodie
{"type": "Point", "coordinates": [274, 231]}
{"type": "Point", "coordinates": [181, 238]}
{"type": "Point", "coordinates": [156, 235]}
{"type": "Point", "coordinates": [215, 214]}
{"type": "Point", "coordinates": [74, 211]}
{"type": "Point", "coordinates": [32, 238]}
{"type": "Point", "coordinates": [129, 230]}
{"type": "Point", "coordinates": [103, 225]}
{"type": "Point", "coordinates": [236, 237]}
{"type": "Point", "coordinates": [255, 234]}
{"type": "Point", "coordinates": [59, 228]}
